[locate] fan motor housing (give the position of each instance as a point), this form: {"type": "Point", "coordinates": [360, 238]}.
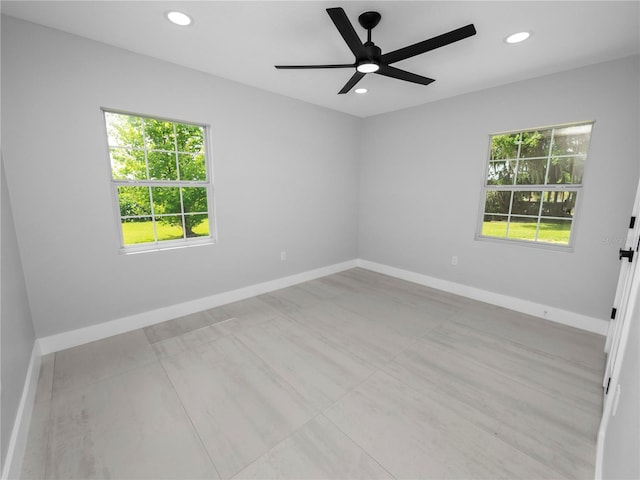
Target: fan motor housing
{"type": "Point", "coordinates": [373, 52]}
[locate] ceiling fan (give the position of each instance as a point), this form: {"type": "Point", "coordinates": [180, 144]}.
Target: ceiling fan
{"type": "Point", "coordinates": [369, 57]}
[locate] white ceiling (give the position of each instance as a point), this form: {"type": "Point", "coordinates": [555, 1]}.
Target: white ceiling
{"type": "Point", "coordinates": [242, 41]}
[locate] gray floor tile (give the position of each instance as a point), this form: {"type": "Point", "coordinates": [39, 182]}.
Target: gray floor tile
{"type": "Point", "coordinates": [550, 428]}
{"type": "Point", "coordinates": [576, 346]}
{"type": "Point", "coordinates": [316, 367]}
{"type": "Point", "coordinates": [251, 311]}
{"type": "Point", "coordinates": [131, 425]}
{"type": "Point", "coordinates": [240, 407]}
{"type": "Point", "coordinates": [316, 451]}
{"type": "Point", "coordinates": [195, 338]}
{"type": "Point", "coordinates": [79, 366]}
{"type": "Point", "coordinates": [204, 335]}
{"type": "Point", "coordinates": [401, 318]}
{"type": "Point", "coordinates": [173, 328]}
{"type": "Point", "coordinates": [375, 342]}
{"type": "Point", "coordinates": [412, 436]}
{"type": "Point", "coordinates": [544, 371]}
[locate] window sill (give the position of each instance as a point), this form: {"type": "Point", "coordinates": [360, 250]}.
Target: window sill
{"type": "Point", "coordinates": [525, 243]}
{"type": "Point", "coordinates": [169, 245]}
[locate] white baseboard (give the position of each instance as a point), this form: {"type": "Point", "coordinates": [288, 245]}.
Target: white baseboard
{"type": "Point", "coordinates": [20, 431]}
{"type": "Point", "coordinates": [73, 338]}
{"type": "Point", "coordinates": [558, 315]}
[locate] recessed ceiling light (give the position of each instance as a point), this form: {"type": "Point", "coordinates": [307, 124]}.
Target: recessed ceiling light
{"type": "Point", "coordinates": [361, 90]}
{"type": "Point", "coordinates": [517, 37]}
{"type": "Point", "coordinates": [179, 18]}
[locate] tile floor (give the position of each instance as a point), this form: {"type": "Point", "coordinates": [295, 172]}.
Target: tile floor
{"type": "Point", "coordinates": [355, 375]}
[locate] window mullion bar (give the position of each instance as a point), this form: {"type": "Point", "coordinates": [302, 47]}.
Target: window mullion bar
{"type": "Point", "coordinates": [182, 218]}
{"type": "Point", "coordinates": [184, 222]}
{"type": "Point", "coordinates": [144, 147]}
{"type": "Point", "coordinates": [546, 175]}
{"type": "Point", "coordinates": [506, 234]}
{"type": "Point", "coordinates": [515, 177]}
{"type": "Point", "coordinates": [175, 151]}
{"type": "Point", "coordinates": [158, 183]}
{"type": "Point", "coordinates": [540, 214]}
{"type": "Point", "coordinates": [153, 215]}
{"type": "Point", "coordinates": [536, 187]}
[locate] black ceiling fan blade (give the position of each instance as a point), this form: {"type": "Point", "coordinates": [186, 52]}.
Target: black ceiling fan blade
{"type": "Point", "coordinates": [301, 67]}
{"type": "Point", "coordinates": [351, 83]}
{"type": "Point", "coordinates": [430, 44]}
{"type": "Point", "coordinates": [394, 72]}
{"type": "Point", "coordinates": [344, 26]}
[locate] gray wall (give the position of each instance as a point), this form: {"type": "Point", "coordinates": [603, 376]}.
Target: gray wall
{"type": "Point", "coordinates": [16, 329]}
{"type": "Point", "coordinates": [284, 173]}
{"type": "Point", "coordinates": [422, 170]}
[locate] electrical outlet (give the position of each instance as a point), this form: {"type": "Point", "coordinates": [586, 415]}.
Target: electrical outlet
{"type": "Point", "coordinates": [454, 260]}
{"type": "Point", "coordinates": [283, 256]}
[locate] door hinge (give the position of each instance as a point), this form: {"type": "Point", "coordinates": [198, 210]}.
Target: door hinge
{"type": "Point", "coordinates": [632, 223]}
{"type": "Point", "coordinates": [613, 313]}
{"type": "Point", "coordinates": [606, 392]}
{"type": "Point", "coordinates": [628, 254]}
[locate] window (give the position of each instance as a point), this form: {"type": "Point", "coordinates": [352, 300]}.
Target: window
{"type": "Point", "coordinates": [532, 183]}
{"type": "Point", "coordinates": [161, 182]}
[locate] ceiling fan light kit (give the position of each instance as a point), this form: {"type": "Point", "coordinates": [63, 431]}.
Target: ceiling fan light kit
{"type": "Point", "coordinates": [369, 57]}
{"type": "Point", "coordinates": [367, 66]}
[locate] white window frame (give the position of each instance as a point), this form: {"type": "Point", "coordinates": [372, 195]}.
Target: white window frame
{"type": "Point", "coordinates": [158, 245]}
{"type": "Point", "coordinates": [577, 188]}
